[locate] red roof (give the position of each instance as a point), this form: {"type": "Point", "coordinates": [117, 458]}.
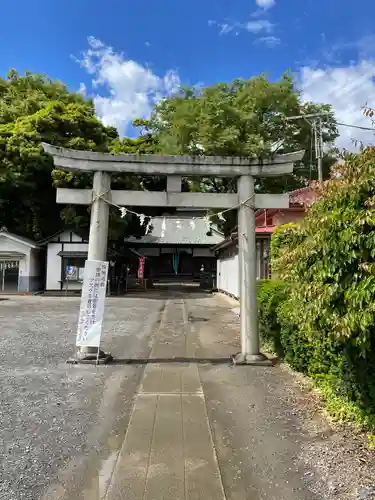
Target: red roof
{"type": "Point", "coordinates": [299, 200]}
{"type": "Point", "coordinates": [265, 229]}
{"type": "Point", "coordinates": [303, 197]}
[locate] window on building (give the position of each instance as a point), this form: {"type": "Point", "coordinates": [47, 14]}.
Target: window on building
{"type": "Point", "coordinates": [73, 268]}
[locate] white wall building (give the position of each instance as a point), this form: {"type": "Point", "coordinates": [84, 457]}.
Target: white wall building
{"type": "Point", "coordinates": [65, 260]}
{"type": "Point", "coordinates": [227, 279]}
{"type": "Point", "coordinates": [66, 255]}
{"type": "Point", "coordinates": [21, 264]}
{"type": "Point", "coordinates": [228, 274]}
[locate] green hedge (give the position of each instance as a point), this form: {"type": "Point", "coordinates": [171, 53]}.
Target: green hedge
{"type": "Point", "coordinates": [323, 321]}
{"type": "Point", "coordinates": [340, 368]}
{"type": "Point", "coordinates": [271, 293]}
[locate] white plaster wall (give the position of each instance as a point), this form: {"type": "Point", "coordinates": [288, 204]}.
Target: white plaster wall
{"type": "Point", "coordinates": [65, 237]}
{"type": "Point", "coordinates": [75, 247]}
{"type": "Point", "coordinates": [227, 275]}
{"type": "Point", "coordinates": [54, 261]}
{"type": "Point", "coordinates": [9, 245]}
{"type": "Point", "coordinates": [53, 266]}
{"type": "Point", "coordinates": [75, 237]}
{"type": "Point", "coordinates": [23, 269]}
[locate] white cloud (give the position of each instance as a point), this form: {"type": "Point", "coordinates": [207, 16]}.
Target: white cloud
{"type": "Point", "coordinates": [265, 4]}
{"type": "Point", "coordinates": [225, 28]}
{"type": "Point", "coordinates": [258, 26]}
{"type": "Point", "coordinates": [347, 89]}
{"type": "Point", "coordinates": [133, 89]}
{"type": "Point", "coordinates": [261, 25]}
{"type": "Point", "coordinates": [82, 89]}
{"type": "Point", "coordinates": [270, 41]}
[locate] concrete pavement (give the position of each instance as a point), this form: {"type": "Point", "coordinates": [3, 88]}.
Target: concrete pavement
{"type": "Point", "coordinates": [168, 450]}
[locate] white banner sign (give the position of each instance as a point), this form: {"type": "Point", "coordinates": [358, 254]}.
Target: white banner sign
{"type": "Point", "coordinates": [92, 303]}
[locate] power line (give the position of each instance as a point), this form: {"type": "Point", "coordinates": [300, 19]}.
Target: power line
{"type": "Point", "coordinates": [355, 126]}
{"type": "Point", "coordinates": [315, 115]}
{"type": "Point", "coordinates": [317, 135]}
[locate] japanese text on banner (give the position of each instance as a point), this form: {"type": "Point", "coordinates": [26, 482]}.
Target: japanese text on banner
{"type": "Point", "coordinates": [92, 304]}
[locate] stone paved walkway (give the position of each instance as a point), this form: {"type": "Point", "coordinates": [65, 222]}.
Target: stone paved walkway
{"type": "Point", "coordinates": [168, 451]}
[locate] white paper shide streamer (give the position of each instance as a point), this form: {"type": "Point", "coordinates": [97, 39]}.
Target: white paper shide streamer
{"type": "Point", "coordinates": [177, 222]}
{"type": "Point", "coordinates": [163, 228]}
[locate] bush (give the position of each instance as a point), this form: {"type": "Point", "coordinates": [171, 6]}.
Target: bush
{"type": "Point", "coordinates": [271, 293]}
{"type": "Point", "coordinates": [283, 337]}
{"type": "Point", "coordinates": [330, 264]}
{"type": "Point", "coordinates": [320, 313]}
{"type": "Point", "coordinates": [321, 316]}
{"type": "Point", "coordinates": [337, 368]}
{"type": "Point", "coordinates": [282, 238]}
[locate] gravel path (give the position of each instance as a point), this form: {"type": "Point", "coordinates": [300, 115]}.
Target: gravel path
{"type": "Point", "coordinates": [57, 418]}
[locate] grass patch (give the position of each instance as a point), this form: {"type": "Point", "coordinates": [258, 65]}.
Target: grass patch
{"type": "Point", "coordinates": [341, 409]}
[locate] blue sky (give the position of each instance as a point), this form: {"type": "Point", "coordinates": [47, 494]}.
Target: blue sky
{"type": "Point", "coordinates": [127, 55]}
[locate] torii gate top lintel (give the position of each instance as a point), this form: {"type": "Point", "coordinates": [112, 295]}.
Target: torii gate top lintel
{"type": "Point", "coordinates": [91, 161]}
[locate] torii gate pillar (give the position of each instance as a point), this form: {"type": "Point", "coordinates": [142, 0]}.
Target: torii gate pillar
{"type": "Point", "coordinates": [250, 348]}
{"type": "Point", "coordinates": [98, 238]}
{"type": "Point", "coordinates": [174, 167]}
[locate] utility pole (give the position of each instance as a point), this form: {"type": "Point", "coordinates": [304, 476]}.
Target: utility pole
{"type": "Point", "coordinates": [317, 130]}
{"type": "Point", "coordinates": [317, 127]}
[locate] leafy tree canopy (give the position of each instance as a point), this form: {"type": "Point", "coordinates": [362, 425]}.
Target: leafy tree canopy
{"type": "Point", "coordinates": [36, 109]}
{"type": "Point", "coordinates": [23, 95]}
{"type": "Point", "coordinates": [243, 118]}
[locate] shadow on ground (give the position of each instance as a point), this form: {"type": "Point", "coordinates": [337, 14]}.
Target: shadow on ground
{"type": "Point", "coordinates": [168, 291]}
{"type": "Point", "coordinates": [146, 361]}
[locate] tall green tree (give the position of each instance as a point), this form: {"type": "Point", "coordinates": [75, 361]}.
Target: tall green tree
{"type": "Point", "coordinates": [33, 109]}
{"type": "Point", "coordinates": [243, 118]}
{"type": "Point", "coordinates": [36, 109]}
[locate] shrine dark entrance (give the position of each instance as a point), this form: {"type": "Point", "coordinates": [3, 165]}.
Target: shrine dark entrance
{"type": "Point", "coordinates": [180, 264]}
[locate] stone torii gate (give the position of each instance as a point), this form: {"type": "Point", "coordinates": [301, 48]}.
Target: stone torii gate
{"type": "Point", "coordinates": [175, 167]}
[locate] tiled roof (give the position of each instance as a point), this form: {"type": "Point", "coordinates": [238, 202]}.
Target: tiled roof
{"type": "Point", "coordinates": [186, 235]}
{"type": "Point", "coordinates": [304, 196]}
{"type": "Point", "coordinates": [83, 233]}
{"type": "Point", "coordinates": [21, 239]}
